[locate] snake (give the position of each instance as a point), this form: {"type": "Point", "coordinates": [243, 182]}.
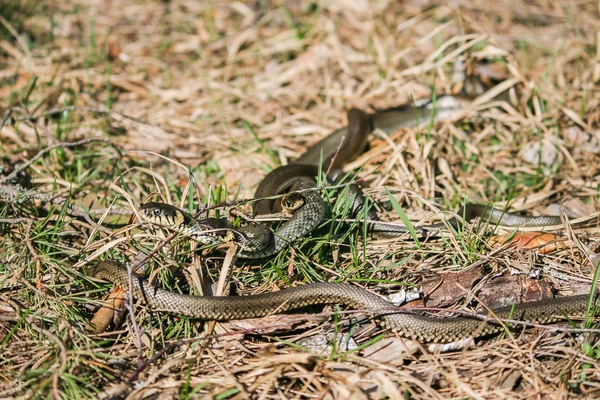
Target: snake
{"type": "Point", "coordinates": [259, 241]}
{"type": "Point", "coordinates": [404, 323]}
{"type": "Point", "coordinates": [255, 243]}
{"type": "Point", "coordinates": [256, 240]}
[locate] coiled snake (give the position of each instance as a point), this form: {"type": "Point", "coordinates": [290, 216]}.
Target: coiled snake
{"type": "Point", "coordinates": [300, 176]}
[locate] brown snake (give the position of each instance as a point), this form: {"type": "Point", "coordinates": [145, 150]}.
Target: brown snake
{"type": "Point", "coordinates": [300, 176]}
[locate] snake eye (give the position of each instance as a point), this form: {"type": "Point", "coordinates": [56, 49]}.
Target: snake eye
{"type": "Point", "coordinates": [156, 212]}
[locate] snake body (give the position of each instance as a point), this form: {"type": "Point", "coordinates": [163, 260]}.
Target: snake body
{"type": "Point", "coordinates": [499, 217]}
{"type": "Point", "coordinates": [344, 144]}
{"type": "Point", "coordinates": [404, 323]}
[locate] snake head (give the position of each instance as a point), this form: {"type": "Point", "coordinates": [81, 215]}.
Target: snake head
{"type": "Point", "coordinates": [162, 214]}
{"type": "Point", "coordinates": [290, 203]}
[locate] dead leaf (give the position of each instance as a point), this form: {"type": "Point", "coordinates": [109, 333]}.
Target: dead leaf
{"type": "Point", "coordinates": [544, 152]}
{"type": "Point", "coordinates": [574, 208]}
{"type": "Point", "coordinates": [543, 242]}
{"type": "Point", "coordinates": [113, 49]}
{"type": "Point", "coordinates": [514, 289]}
{"type": "Point", "coordinates": [491, 72]}
{"type": "Point", "coordinates": [18, 79]}
{"type": "Point", "coordinates": [322, 343]}
{"type": "Point", "coordinates": [448, 288]}
{"type": "Point", "coordinates": [583, 140]}
{"type": "Point", "coordinates": [417, 303]}
{"type": "Point", "coordinates": [511, 381]}
{"type": "Point", "coordinates": [290, 358]}
{"type": "Point", "coordinates": [391, 350]}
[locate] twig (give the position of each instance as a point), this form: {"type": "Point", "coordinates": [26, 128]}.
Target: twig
{"type": "Point", "coordinates": [337, 151]}
{"type": "Point", "coordinates": [134, 326]}
{"type": "Point", "coordinates": [48, 149]}
{"type": "Point", "coordinates": [90, 109]}
{"type": "Point", "coordinates": [10, 193]}
{"type": "Point", "coordinates": [7, 115]}
{"type": "Point", "coordinates": [17, 220]}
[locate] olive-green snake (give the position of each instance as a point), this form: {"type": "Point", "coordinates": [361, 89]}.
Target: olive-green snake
{"type": "Point", "coordinates": [404, 323]}
{"type": "Point", "coordinates": [300, 176]}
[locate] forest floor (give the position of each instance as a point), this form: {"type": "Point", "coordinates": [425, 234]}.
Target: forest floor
{"type": "Point", "coordinates": [107, 104]}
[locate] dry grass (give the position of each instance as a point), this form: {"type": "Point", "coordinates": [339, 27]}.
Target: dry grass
{"type": "Point", "coordinates": [234, 89]}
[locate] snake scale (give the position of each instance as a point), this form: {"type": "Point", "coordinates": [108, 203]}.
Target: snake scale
{"type": "Point", "coordinates": [300, 176]}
